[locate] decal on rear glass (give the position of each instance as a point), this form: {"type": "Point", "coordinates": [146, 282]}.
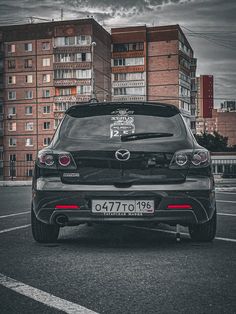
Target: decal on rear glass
{"type": "Point", "coordinates": [122, 123]}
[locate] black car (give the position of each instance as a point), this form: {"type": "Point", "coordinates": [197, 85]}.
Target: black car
{"type": "Point", "coordinates": [125, 163]}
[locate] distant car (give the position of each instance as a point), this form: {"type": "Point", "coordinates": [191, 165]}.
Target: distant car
{"type": "Point", "coordinates": [123, 163]}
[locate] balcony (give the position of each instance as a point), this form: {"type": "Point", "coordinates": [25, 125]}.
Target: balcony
{"type": "Point", "coordinates": [71, 65]}
{"type": "Point", "coordinates": [72, 98]}
{"type": "Point", "coordinates": [128, 84]}
{"type": "Point", "coordinates": [71, 82]}
{"type": "Point", "coordinates": [128, 98]}
{"type": "Point", "coordinates": [72, 49]}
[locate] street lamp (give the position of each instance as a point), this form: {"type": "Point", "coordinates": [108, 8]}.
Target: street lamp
{"type": "Point", "coordinates": [93, 95]}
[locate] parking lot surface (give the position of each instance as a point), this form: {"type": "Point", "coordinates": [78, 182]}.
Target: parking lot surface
{"type": "Point", "coordinates": [115, 269]}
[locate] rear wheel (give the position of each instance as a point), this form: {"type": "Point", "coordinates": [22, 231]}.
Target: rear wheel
{"type": "Point", "coordinates": [42, 232]}
{"type": "Point", "coordinates": [204, 232]}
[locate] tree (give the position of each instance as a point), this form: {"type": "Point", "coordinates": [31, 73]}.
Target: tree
{"type": "Point", "coordinates": [213, 142]}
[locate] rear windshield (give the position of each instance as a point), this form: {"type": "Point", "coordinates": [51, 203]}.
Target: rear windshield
{"type": "Point", "coordinates": [119, 122]}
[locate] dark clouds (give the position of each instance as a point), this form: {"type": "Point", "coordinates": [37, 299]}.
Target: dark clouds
{"type": "Point", "coordinates": [215, 52]}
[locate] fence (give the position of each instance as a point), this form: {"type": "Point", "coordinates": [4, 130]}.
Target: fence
{"type": "Point", "coordinates": [18, 170]}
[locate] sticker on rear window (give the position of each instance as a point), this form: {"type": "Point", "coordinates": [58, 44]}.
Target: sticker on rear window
{"type": "Point", "coordinates": [122, 123]}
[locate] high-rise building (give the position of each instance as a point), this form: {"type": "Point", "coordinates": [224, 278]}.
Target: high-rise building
{"type": "Point", "coordinates": [47, 68]}
{"type": "Point", "coordinates": [205, 96]}
{"type": "Point", "coordinates": [153, 64]}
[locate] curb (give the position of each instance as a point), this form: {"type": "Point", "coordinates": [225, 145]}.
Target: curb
{"type": "Point", "coordinates": [15, 183]}
{"type": "Point", "coordinates": [219, 187]}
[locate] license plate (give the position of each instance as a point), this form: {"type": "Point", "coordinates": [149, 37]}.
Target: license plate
{"type": "Point", "coordinates": [123, 207]}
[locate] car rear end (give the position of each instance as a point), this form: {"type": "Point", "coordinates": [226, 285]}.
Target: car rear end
{"type": "Point", "coordinates": [123, 163]}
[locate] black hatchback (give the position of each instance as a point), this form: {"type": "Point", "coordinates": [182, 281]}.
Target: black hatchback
{"type": "Point", "coordinates": [123, 163]}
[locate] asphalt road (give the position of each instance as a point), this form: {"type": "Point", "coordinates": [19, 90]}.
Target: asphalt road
{"type": "Point", "coordinates": [114, 269]}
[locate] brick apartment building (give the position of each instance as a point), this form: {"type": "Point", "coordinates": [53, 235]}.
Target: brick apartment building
{"type": "Point", "coordinates": [223, 122]}
{"type": "Point", "coordinates": [47, 68]}
{"type": "Point", "coordinates": [154, 64]}
{"type": "Point", "coordinates": [205, 96]}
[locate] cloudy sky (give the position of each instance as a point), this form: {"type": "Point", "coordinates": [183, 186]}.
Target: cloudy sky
{"type": "Point", "coordinates": [210, 26]}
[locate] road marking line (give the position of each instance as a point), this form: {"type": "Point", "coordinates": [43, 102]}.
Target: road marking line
{"type": "Point", "coordinates": [181, 233]}
{"type": "Point", "coordinates": [222, 201]}
{"type": "Point", "coordinates": [17, 214]}
{"type": "Point", "coordinates": [226, 214]}
{"type": "Point", "coordinates": [15, 228]}
{"type": "Point", "coordinates": [43, 297]}
{"type": "Point", "coordinates": [223, 192]}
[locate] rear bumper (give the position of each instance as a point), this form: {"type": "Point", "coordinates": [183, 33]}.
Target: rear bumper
{"type": "Point", "coordinates": [198, 192]}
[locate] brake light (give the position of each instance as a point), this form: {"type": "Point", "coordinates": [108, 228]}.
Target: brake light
{"type": "Point", "coordinates": [179, 206]}
{"type": "Point", "coordinates": [67, 207]}
{"type": "Point", "coordinates": [64, 160]}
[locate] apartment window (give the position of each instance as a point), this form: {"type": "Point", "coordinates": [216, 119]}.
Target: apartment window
{"type": "Point", "coordinates": [29, 78]}
{"type": "Point", "coordinates": [11, 95]}
{"type": "Point", "coordinates": [62, 106]}
{"type": "Point", "coordinates": [12, 157]}
{"type": "Point", "coordinates": [46, 45]}
{"type": "Point", "coordinates": [46, 109]}
{"type": "Point", "coordinates": [28, 46]}
{"type": "Point", "coordinates": [119, 62]}
{"type": "Point", "coordinates": [28, 142]}
{"type": "Point", "coordinates": [28, 63]}
{"type": "Point", "coordinates": [29, 157]}
{"type": "Point", "coordinates": [28, 110]}
{"type": "Point", "coordinates": [29, 126]}
{"type": "Point", "coordinates": [84, 89]}
{"type": "Point", "coordinates": [46, 141]}
{"type": "Point", "coordinates": [11, 64]}
{"type": "Point", "coordinates": [46, 78]}
{"type": "Point", "coordinates": [46, 93]}
{"type": "Point", "coordinates": [29, 172]}
{"type": "Point", "coordinates": [46, 62]}
{"type": "Point", "coordinates": [12, 141]}
{"type": "Point", "coordinates": [28, 94]}
{"type": "Point", "coordinates": [46, 125]}
{"type": "Point", "coordinates": [56, 123]}
{"type": "Point", "coordinates": [11, 110]}
{"type": "Point", "coordinates": [12, 79]}
{"type": "Point", "coordinates": [65, 91]}
{"type": "Point", "coordinates": [11, 126]}
{"type": "Point", "coordinates": [11, 48]}
{"type": "Point", "coordinates": [127, 47]}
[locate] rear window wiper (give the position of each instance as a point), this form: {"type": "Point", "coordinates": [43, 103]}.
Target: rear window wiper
{"type": "Point", "coordinates": [139, 136]}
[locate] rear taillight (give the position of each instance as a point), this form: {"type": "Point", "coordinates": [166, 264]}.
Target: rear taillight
{"type": "Point", "coordinates": [64, 160]}
{"type": "Point", "coordinates": [53, 160]}
{"type": "Point", "coordinates": [190, 158]}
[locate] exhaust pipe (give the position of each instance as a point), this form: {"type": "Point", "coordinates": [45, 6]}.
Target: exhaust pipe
{"type": "Point", "coordinates": [61, 220]}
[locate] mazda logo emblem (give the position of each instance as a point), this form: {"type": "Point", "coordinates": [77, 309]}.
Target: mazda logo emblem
{"type": "Point", "coordinates": [122, 154]}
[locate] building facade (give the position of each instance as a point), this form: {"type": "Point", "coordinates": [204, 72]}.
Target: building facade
{"type": "Point", "coordinates": [154, 64]}
{"type": "Point", "coordinates": [223, 122]}
{"type": "Point", "coordinates": [47, 68]}
{"type": "Point", "coordinates": [205, 96]}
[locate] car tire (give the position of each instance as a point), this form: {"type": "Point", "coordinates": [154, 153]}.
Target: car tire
{"type": "Point", "coordinates": [43, 233]}
{"type": "Point", "coordinates": [204, 232]}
